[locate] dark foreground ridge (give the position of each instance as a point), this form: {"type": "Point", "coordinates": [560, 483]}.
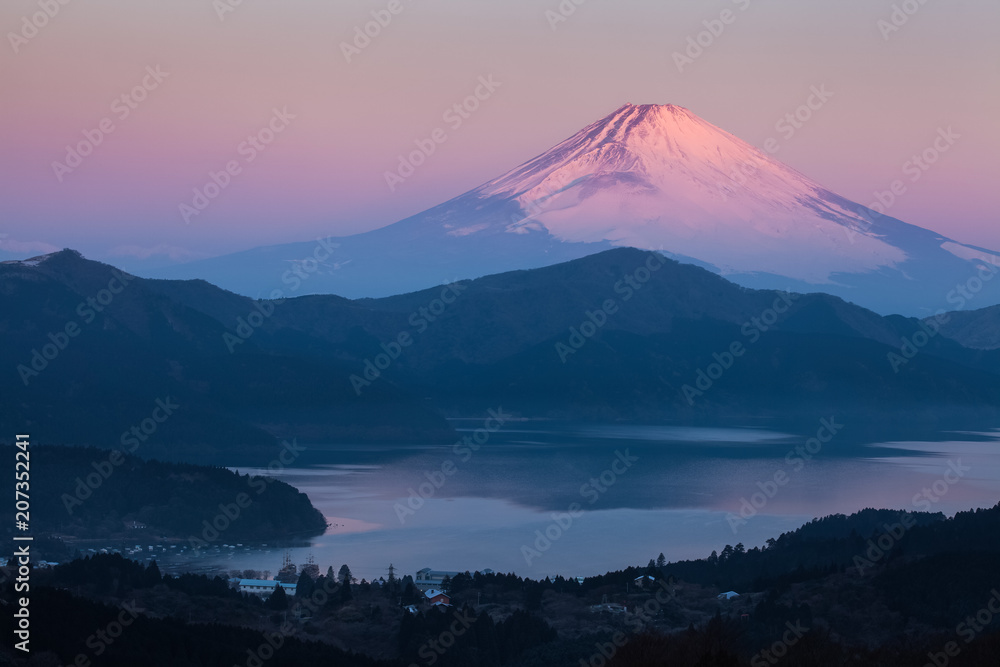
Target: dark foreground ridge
{"type": "Point", "coordinates": [880, 587]}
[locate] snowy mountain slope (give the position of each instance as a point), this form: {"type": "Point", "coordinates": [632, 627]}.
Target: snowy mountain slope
{"type": "Point", "coordinates": [658, 176]}
{"type": "Point", "coordinates": [651, 177]}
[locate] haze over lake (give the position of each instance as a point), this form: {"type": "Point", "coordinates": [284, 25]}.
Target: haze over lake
{"type": "Point", "coordinates": [681, 493]}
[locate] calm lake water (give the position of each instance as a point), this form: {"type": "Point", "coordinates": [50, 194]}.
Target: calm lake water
{"type": "Point", "coordinates": [607, 496]}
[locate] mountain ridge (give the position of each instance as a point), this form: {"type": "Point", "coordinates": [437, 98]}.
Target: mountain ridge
{"type": "Point", "coordinates": [654, 177]}
{"type": "Point", "coordinates": [318, 367]}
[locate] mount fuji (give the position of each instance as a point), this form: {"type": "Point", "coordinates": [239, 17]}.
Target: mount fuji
{"type": "Point", "coordinates": [653, 177]}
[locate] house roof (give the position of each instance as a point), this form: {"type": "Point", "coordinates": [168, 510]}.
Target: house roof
{"type": "Point", "coordinates": [265, 583]}
{"type": "Point", "coordinates": [433, 593]}
{"type": "Point", "coordinates": [258, 582]}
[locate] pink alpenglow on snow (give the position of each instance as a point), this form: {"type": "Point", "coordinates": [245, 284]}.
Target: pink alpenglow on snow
{"type": "Point", "coordinates": [658, 176]}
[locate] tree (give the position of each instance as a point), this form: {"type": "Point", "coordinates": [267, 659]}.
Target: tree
{"type": "Point", "coordinates": [345, 575]}
{"type": "Point", "coordinates": [278, 600]}
{"type": "Point", "coordinates": [346, 595]}
{"type": "Point", "coordinates": [152, 575]}
{"type": "Point", "coordinates": [410, 594]}
{"type": "Point", "coordinates": [459, 583]}
{"type": "Point", "coordinates": [304, 587]}
{"type": "Point", "coordinates": [533, 595]}
{"type": "Point", "coordinates": [661, 560]}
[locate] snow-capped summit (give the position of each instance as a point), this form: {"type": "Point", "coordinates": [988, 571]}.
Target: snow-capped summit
{"type": "Point", "coordinates": [654, 176]}
{"type": "Point", "coordinates": [650, 176]}
{"type": "Point", "coordinates": [40, 259]}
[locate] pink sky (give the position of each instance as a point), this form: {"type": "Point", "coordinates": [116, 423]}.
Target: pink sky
{"type": "Point", "coordinates": [324, 172]}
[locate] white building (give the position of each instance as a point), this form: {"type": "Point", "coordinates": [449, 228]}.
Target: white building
{"type": "Point", "coordinates": [263, 587]}
{"type": "Point", "coordinates": [428, 578]}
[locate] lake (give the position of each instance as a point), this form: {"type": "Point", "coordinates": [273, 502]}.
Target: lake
{"type": "Point", "coordinates": [544, 498]}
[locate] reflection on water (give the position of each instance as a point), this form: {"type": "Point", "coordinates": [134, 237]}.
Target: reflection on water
{"type": "Point", "coordinates": [455, 510]}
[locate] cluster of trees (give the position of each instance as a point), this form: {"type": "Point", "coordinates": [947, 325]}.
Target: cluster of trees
{"type": "Point", "coordinates": [112, 575]}
{"type": "Point", "coordinates": [463, 638]}
{"type": "Point", "coordinates": [718, 645]}
{"type": "Point", "coordinates": [65, 627]}
{"type": "Point", "coordinates": [823, 546]}
{"type": "Point", "coordinates": [85, 493]}
{"type": "Point", "coordinates": [929, 585]}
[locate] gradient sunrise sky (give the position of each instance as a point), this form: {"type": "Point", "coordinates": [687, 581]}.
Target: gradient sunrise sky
{"type": "Point", "coordinates": [229, 64]}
